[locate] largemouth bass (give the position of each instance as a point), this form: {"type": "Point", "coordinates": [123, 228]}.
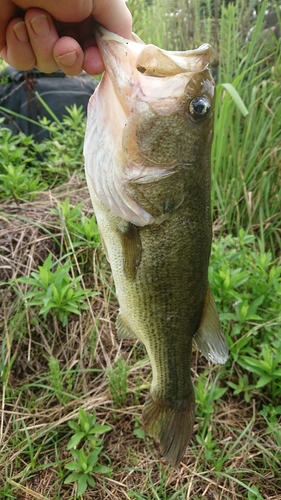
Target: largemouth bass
{"type": "Point", "coordinates": [147, 159]}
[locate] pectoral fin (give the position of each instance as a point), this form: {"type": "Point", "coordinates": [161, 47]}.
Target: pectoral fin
{"type": "Point", "coordinates": [123, 329]}
{"type": "Point", "coordinates": [131, 246]}
{"type": "Point", "coordinates": [104, 246]}
{"type": "Point", "coordinates": [209, 337]}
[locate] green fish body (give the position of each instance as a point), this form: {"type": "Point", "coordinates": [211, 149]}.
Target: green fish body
{"type": "Point", "coordinates": [147, 158]}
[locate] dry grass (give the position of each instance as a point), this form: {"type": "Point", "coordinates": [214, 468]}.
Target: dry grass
{"type": "Point", "coordinates": [33, 427]}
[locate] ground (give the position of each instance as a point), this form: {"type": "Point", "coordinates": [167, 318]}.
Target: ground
{"type": "Point", "coordinates": [232, 454]}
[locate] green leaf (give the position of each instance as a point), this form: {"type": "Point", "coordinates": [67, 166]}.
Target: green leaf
{"type": "Point", "coordinates": [69, 293]}
{"type": "Point", "coordinates": [29, 281]}
{"type": "Point", "coordinates": [219, 392]}
{"type": "Point", "coordinates": [82, 484]}
{"type": "Point", "coordinates": [63, 318]}
{"type": "Point", "coordinates": [93, 457]}
{"type": "Point", "coordinates": [87, 427]}
{"type": "Point", "coordinates": [64, 290]}
{"type": "Point", "coordinates": [236, 98]}
{"type": "Point", "coordinates": [44, 275]}
{"type": "Point", "coordinates": [84, 466]}
{"type": "Point", "coordinates": [75, 440]}
{"type": "Point", "coordinates": [82, 459]}
{"type": "Point", "coordinates": [265, 379]}
{"type": "Point", "coordinates": [91, 482]}
{"type": "Point", "coordinates": [251, 364]}
{"type": "Point", "coordinates": [139, 433]}
{"type": "Point", "coordinates": [56, 295]}
{"type": "Point", "coordinates": [34, 302]}
{"type": "Point", "coordinates": [100, 429]}
{"type": "Point", "coordinates": [72, 309]}
{"type": "Point", "coordinates": [233, 386]}
{"type": "Point", "coordinates": [74, 476]}
{"type": "Point", "coordinates": [72, 466]}
{"type": "Point", "coordinates": [75, 453]}
{"type": "Point", "coordinates": [73, 425]}
{"type": "Point", "coordinates": [83, 417]}
{"type": "Point", "coordinates": [102, 469]}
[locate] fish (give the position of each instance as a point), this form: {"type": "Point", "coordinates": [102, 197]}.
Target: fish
{"type": "Point", "coordinates": [147, 160]}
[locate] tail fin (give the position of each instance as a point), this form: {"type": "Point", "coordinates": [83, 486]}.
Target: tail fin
{"type": "Point", "coordinates": [172, 426]}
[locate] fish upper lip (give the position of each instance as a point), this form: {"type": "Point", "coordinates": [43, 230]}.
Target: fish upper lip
{"type": "Point", "coordinates": [180, 61]}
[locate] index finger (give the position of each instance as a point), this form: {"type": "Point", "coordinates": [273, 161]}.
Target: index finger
{"type": "Point", "coordinates": [114, 16]}
{"type": "Point", "coordinates": [6, 15]}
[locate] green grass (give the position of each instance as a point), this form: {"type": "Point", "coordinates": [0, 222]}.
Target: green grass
{"type": "Point", "coordinates": [246, 154]}
{"type": "Point", "coordinates": [65, 377]}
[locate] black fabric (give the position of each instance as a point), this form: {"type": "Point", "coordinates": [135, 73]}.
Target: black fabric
{"type": "Point", "coordinates": [57, 90]}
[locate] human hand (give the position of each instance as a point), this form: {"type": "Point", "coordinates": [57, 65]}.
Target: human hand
{"type": "Point", "coordinates": [61, 36]}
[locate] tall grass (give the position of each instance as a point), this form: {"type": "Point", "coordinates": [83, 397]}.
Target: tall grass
{"type": "Point", "coordinates": [173, 25]}
{"type": "Point", "coordinates": [246, 154]}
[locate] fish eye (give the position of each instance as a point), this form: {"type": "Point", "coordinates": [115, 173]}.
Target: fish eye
{"type": "Point", "coordinates": [199, 107]}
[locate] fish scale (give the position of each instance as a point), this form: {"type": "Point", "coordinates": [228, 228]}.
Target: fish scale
{"type": "Point", "coordinates": [150, 189]}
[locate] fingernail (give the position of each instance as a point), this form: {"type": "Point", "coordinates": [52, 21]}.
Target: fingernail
{"type": "Point", "coordinates": [40, 25]}
{"type": "Point", "coordinates": [67, 59]}
{"type": "Point", "coordinates": [21, 32]}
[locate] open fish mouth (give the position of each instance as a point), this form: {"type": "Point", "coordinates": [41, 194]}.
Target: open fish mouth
{"type": "Point", "coordinates": [134, 66]}
{"type": "Point", "coordinates": [151, 60]}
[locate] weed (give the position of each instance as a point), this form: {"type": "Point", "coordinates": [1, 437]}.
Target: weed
{"type": "Point", "coordinates": [16, 184]}
{"type": "Point", "coordinates": [266, 364]}
{"type": "Point", "coordinates": [157, 490]}
{"type": "Point", "coordinates": [56, 380]}
{"type": "Point", "coordinates": [83, 467]}
{"type": "Point", "coordinates": [247, 285]}
{"type": "Point", "coordinates": [138, 430]}
{"type": "Point", "coordinates": [19, 167]}
{"type": "Point", "coordinates": [209, 445]}
{"type": "Point", "coordinates": [85, 463]}
{"type": "Point", "coordinates": [7, 491]}
{"type": "Point", "coordinates": [55, 291]}
{"type": "Point", "coordinates": [206, 393]}
{"type": "Point", "coordinates": [271, 415]}
{"type": "Point", "coordinates": [63, 152]}
{"type": "Point", "coordinates": [255, 494]}
{"type": "Point", "coordinates": [80, 231]}
{"type": "Point", "coordinates": [117, 382]}
{"type": "Point", "coordinates": [243, 386]}
{"type": "Point", "coordinates": [86, 429]}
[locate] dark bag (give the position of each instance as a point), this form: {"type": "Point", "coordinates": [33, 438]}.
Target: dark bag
{"type": "Point", "coordinates": [56, 89]}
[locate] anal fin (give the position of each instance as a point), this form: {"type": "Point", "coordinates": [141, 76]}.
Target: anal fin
{"type": "Point", "coordinates": [123, 329]}
{"type": "Point", "coordinates": [209, 336]}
